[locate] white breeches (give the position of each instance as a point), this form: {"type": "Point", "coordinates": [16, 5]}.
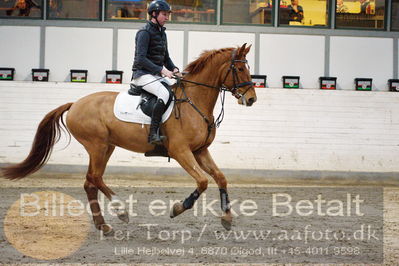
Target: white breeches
{"type": "Point", "coordinates": [153, 86]}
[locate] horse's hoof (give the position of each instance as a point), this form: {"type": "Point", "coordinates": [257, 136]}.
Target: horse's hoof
{"type": "Point", "coordinates": [227, 221]}
{"type": "Point", "coordinates": [177, 210]}
{"type": "Point", "coordinates": [124, 216]}
{"type": "Point", "coordinates": [107, 229]}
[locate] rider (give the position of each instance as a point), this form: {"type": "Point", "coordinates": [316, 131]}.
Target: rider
{"type": "Point", "coordinates": [152, 60]}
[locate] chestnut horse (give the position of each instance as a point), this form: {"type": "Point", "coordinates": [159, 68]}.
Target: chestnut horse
{"type": "Point", "coordinates": [92, 122]}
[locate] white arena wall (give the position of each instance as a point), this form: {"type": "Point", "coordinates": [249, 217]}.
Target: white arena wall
{"type": "Point", "coordinates": [20, 48]}
{"type": "Point", "coordinates": [93, 49]}
{"type": "Point", "coordinates": [293, 130]}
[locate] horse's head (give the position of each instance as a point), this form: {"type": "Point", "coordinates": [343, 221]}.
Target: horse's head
{"type": "Point", "coordinates": [237, 79]}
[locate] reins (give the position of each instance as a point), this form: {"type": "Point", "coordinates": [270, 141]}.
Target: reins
{"type": "Point", "coordinates": [188, 100]}
{"type": "Point", "coordinates": [222, 91]}
{"type": "Point", "coordinates": [211, 124]}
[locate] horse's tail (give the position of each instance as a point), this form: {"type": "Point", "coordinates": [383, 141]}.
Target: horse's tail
{"type": "Point", "coordinates": [48, 133]}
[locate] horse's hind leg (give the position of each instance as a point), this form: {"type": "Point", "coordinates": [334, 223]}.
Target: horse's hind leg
{"type": "Point", "coordinates": [206, 162]}
{"type": "Point", "coordinates": [99, 156]}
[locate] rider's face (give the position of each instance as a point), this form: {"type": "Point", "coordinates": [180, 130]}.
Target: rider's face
{"type": "Point", "coordinates": [163, 17]}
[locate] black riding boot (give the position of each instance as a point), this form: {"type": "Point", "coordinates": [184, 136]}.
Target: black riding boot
{"type": "Point", "coordinates": [154, 136]}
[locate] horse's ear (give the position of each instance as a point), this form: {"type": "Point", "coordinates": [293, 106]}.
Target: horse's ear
{"type": "Point", "coordinates": [247, 49]}
{"type": "Point", "coordinates": [241, 51]}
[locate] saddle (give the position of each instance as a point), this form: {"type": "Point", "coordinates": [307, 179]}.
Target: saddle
{"type": "Point", "coordinates": [148, 100]}
{"type": "Point", "coordinates": [146, 104]}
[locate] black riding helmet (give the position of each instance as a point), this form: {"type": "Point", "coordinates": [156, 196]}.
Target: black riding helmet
{"type": "Point", "coordinates": [157, 6]}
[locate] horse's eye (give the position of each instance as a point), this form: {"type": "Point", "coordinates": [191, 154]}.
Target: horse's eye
{"type": "Point", "coordinates": [240, 69]}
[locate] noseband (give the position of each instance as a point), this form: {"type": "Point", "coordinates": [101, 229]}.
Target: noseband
{"type": "Point", "coordinates": [233, 70]}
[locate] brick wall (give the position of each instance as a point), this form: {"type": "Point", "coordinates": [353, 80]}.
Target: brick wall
{"type": "Point", "coordinates": [286, 129]}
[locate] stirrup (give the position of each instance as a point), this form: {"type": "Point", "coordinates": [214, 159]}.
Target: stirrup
{"type": "Point", "coordinates": [156, 139]}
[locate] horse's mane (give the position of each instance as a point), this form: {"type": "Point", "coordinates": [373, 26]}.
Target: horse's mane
{"type": "Point", "coordinates": [198, 65]}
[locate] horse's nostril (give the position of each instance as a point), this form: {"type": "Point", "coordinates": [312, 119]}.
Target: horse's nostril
{"type": "Point", "coordinates": [251, 101]}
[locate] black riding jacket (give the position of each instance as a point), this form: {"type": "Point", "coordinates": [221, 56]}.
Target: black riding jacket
{"type": "Point", "coordinates": [151, 51]}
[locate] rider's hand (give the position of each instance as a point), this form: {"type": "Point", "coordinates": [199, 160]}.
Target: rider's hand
{"type": "Point", "coordinates": [165, 72]}
{"type": "Point", "coordinates": [177, 73]}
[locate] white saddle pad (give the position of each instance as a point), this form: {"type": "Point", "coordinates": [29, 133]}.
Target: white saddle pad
{"type": "Point", "coordinates": [126, 109]}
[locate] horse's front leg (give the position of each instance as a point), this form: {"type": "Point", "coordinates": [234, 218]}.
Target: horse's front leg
{"type": "Point", "coordinates": [206, 162]}
{"type": "Point", "coordinates": [186, 159]}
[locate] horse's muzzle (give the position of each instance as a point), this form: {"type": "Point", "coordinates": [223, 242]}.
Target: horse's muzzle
{"type": "Point", "coordinates": [247, 102]}
{"type": "Point", "coordinates": [251, 101]}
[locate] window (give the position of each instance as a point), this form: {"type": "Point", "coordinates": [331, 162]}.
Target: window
{"type": "Point", "coordinates": [303, 12]}
{"type": "Point", "coordinates": [395, 15]}
{"type": "Point", "coordinates": [198, 11]}
{"type": "Point", "coordinates": [21, 8]}
{"type": "Point", "coordinates": [194, 11]}
{"type": "Point", "coordinates": [127, 9]}
{"type": "Point", "coordinates": [367, 14]}
{"type": "Point", "coordinates": [73, 9]}
{"type": "Point", "coordinates": [247, 12]}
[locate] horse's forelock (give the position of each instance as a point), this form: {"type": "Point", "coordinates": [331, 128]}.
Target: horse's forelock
{"type": "Point", "coordinates": [199, 64]}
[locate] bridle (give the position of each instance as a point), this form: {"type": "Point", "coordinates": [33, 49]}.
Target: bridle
{"type": "Point", "coordinates": [233, 70]}
{"type": "Point", "coordinates": [222, 89]}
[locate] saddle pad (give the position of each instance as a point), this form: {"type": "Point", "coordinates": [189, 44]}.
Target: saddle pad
{"type": "Point", "coordinates": [126, 109]}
